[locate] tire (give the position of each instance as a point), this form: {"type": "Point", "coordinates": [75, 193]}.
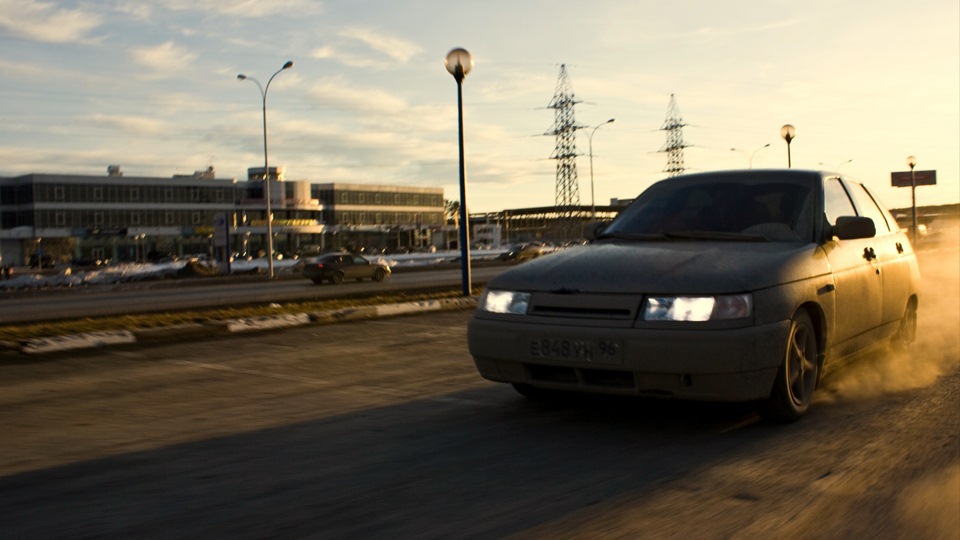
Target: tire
{"type": "Point", "coordinates": [907, 332]}
{"type": "Point", "coordinates": [337, 278]}
{"type": "Point", "coordinates": [379, 275]}
{"type": "Point", "coordinates": [798, 374]}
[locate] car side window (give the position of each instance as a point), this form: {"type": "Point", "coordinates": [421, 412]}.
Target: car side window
{"type": "Point", "coordinates": [892, 224]}
{"type": "Point", "coordinates": [872, 209]}
{"type": "Point", "coordinates": [836, 202]}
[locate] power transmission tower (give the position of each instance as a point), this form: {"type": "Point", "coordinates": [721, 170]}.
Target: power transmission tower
{"type": "Point", "coordinates": [674, 146]}
{"type": "Point", "coordinates": [564, 129]}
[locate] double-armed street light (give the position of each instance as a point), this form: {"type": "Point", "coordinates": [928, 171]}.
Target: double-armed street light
{"type": "Point", "coordinates": [752, 153]}
{"type": "Point", "coordinates": [459, 62]}
{"type": "Point", "coordinates": [788, 133]}
{"type": "Point", "coordinates": [266, 165]}
{"type": "Point", "coordinates": [593, 205]}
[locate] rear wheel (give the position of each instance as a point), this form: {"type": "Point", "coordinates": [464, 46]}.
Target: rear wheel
{"type": "Point", "coordinates": [379, 274]}
{"type": "Point", "coordinates": [797, 377]}
{"type": "Point", "coordinates": [907, 332]}
{"type": "Point", "coordinates": [317, 280]}
{"type": "Point", "coordinates": [337, 278]}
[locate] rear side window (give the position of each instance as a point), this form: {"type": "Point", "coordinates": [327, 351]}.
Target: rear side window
{"type": "Point", "coordinates": [868, 207]}
{"type": "Point", "coordinates": [836, 202]}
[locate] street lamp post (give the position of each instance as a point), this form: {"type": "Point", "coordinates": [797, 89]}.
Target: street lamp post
{"type": "Point", "coordinates": [912, 162]}
{"type": "Point", "coordinates": [788, 133]}
{"type": "Point", "coordinates": [751, 154]}
{"type": "Point", "coordinates": [593, 205]}
{"type": "Point", "coordinates": [459, 62]}
{"type": "Point", "coordinates": [266, 164]}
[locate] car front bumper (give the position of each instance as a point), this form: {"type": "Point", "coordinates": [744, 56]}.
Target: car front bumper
{"type": "Point", "coordinates": [733, 364]}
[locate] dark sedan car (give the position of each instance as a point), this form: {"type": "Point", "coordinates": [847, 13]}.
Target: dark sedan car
{"type": "Point", "coordinates": [727, 286]}
{"type": "Point", "coordinates": [337, 267]}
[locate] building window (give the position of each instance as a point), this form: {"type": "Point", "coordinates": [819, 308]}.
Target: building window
{"type": "Point", "coordinates": [98, 193]}
{"type": "Point", "coordinates": [58, 193]}
{"type": "Point", "coordinates": [168, 218]}
{"type": "Point", "coordinates": [196, 218]}
{"type": "Point", "coordinates": [98, 218]}
{"type": "Point", "coordinates": [60, 219]}
{"type": "Point", "coordinates": [360, 198]}
{"type": "Point", "coordinates": [134, 194]}
{"type": "Point", "coordinates": [220, 196]}
{"type": "Point", "coordinates": [134, 218]}
{"type": "Point", "coordinates": [168, 194]}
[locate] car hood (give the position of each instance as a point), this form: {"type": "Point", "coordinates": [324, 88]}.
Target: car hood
{"type": "Point", "coordinates": [666, 268]}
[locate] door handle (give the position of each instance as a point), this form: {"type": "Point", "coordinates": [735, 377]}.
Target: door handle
{"type": "Point", "coordinates": [899, 247]}
{"type": "Point", "coordinates": [869, 254]}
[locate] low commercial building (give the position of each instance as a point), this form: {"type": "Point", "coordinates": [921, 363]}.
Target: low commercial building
{"type": "Point", "coordinates": [61, 217]}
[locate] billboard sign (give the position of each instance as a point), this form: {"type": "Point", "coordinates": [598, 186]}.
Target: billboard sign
{"type": "Point", "coordinates": [924, 178]}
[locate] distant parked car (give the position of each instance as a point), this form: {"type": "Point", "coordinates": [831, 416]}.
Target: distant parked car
{"type": "Point", "coordinates": [726, 286]}
{"type": "Point", "coordinates": [522, 252]}
{"type": "Point", "coordinates": [336, 267]}
{"type": "Point", "coordinates": [84, 262]}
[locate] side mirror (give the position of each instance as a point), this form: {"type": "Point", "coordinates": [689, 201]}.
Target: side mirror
{"type": "Point", "coordinates": [592, 230]}
{"type": "Point", "coordinates": [853, 227]}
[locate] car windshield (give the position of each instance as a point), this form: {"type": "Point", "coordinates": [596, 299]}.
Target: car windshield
{"type": "Point", "coordinates": [757, 206]}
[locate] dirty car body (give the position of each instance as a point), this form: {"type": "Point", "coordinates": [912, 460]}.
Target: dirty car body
{"type": "Point", "coordinates": [726, 286]}
{"type": "Point", "coordinates": [336, 267]}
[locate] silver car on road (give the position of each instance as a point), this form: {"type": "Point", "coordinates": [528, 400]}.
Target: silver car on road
{"type": "Point", "coordinates": [723, 286]}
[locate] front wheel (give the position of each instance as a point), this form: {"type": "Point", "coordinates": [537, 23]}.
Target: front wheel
{"type": "Point", "coordinates": [379, 274]}
{"type": "Point", "coordinates": [337, 278]}
{"type": "Point", "coordinates": [797, 377]}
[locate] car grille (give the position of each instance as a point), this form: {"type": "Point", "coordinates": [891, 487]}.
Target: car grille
{"type": "Point", "coordinates": [651, 384]}
{"type": "Point", "coordinates": [610, 307]}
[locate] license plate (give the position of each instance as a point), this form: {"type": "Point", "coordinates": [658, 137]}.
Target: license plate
{"type": "Point", "coordinates": [603, 351]}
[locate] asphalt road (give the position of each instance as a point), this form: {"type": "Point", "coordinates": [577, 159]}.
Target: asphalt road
{"type": "Point", "coordinates": [46, 305]}
{"type": "Point", "coordinates": [383, 429]}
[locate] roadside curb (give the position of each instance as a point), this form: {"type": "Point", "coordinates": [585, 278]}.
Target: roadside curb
{"type": "Point", "coordinates": [212, 329]}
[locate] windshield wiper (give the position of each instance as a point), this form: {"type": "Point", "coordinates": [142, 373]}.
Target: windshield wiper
{"type": "Point", "coordinates": [619, 235]}
{"type": "Point", "coordinates": [715, 235]}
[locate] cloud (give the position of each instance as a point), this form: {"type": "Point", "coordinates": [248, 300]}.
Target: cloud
{"type": "Point", "coordinates": [367, 48]}
{"type": "Point", "coordinates": [47, 22]}
{"type": "Point", "coordinates": [250, 9]}
{"type": "Point", "coordinates": [164, 58]}
{"type": "Point", "coordinates": [136, 125]}
{"type": "Point", "coordinates": [397, 49]}
{"type": "Point", "coordinates": [337, 93]}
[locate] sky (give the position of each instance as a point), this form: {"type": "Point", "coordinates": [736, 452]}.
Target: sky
{"type": "Point", "coordinates": [152, 87]}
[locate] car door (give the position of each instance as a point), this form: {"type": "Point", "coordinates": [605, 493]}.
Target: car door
{"type": "Point", "coordinates": [359, 267]}
{"type": "Point", "coordinates": [345, 265]}
{"type": "Point", "coordinates": [894, 253]}
{"type": "Point", "coordinates": [856, 273]}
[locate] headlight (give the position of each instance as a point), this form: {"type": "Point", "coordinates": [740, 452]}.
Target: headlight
{"type": "Point", "coordinates": [515, 303]}
{"type": "Point", "coordinates": [698, 308]}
